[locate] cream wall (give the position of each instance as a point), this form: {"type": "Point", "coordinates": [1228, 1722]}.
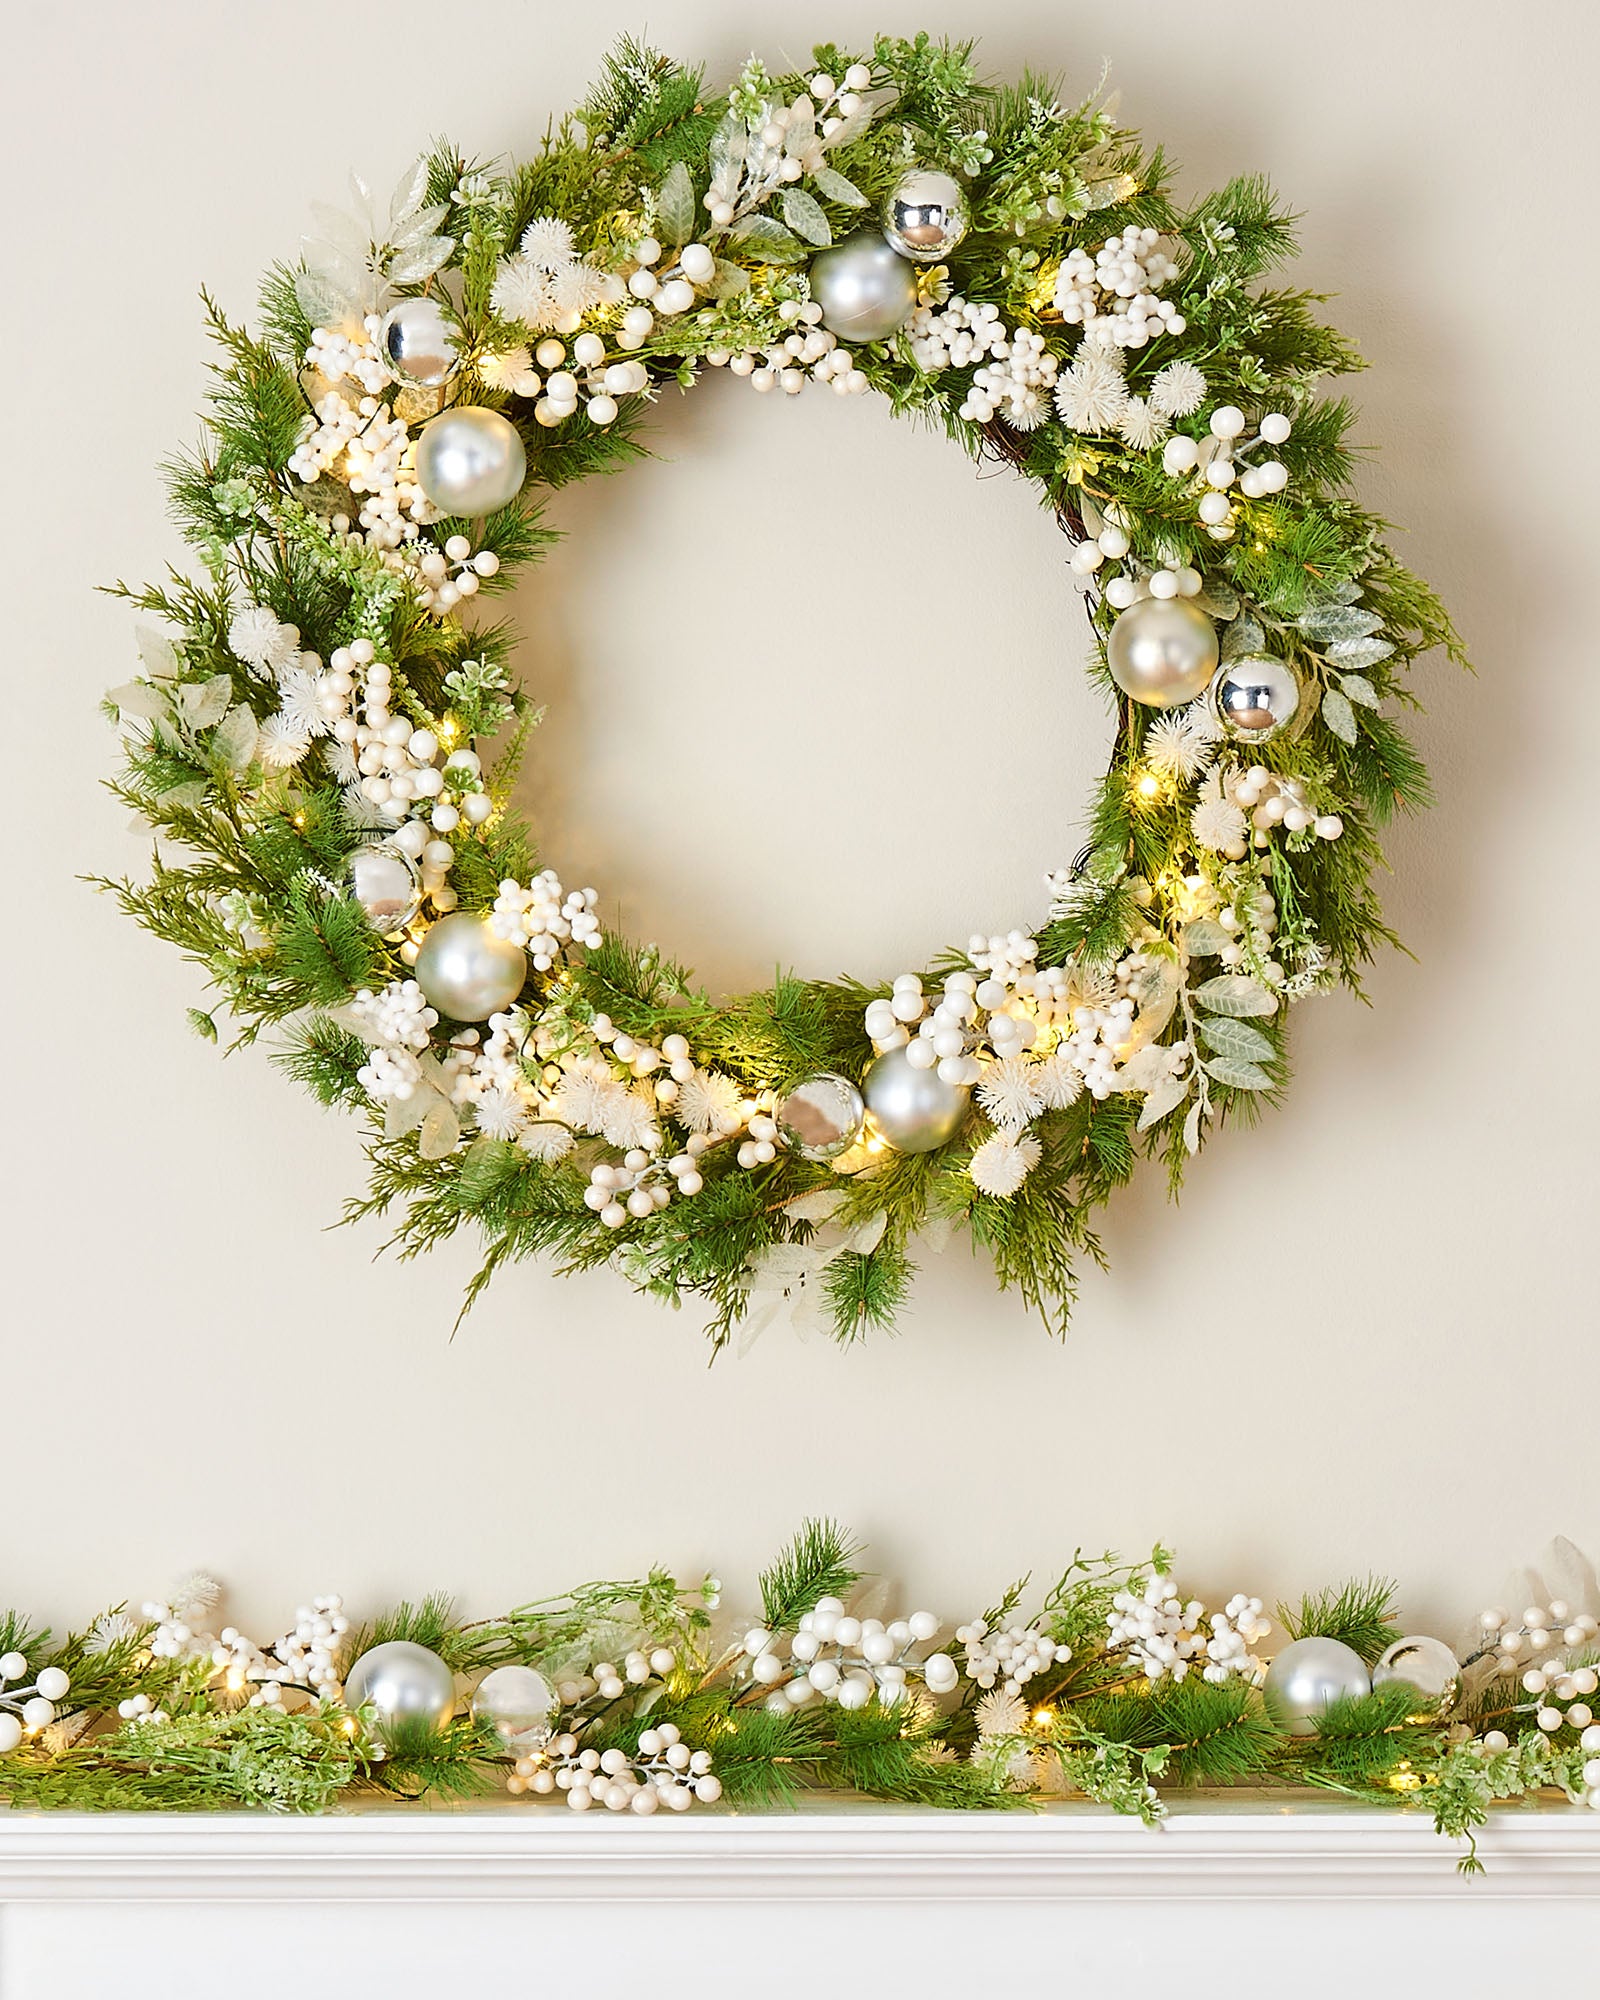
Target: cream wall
{"type": "Point", "coordinates": [1367, 1338]}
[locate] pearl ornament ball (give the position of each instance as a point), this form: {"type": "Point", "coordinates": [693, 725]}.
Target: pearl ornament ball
{"type": "Point", "coordinates": [1162, 651]}
{"type": "Point", "coordinates": [401, 1682]}
{"type": "Point", "coordinates": [866, 289]}
{"type": "Point", "coordinates": [466, 972]}
{"type": "Point", "coordinates": [915, 1109]}
{"type": "Point", "coordinates": [1306, 1676]}
{"type": "Point", "coordinates": [471, 461]}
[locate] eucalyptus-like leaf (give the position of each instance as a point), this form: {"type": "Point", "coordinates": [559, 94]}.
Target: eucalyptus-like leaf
{"type": "Point", "coordinates": [1227, 1037]}
{"type": "Point", "coordinates": [1218, 600]}
{"type": "Point", "coordinates": [441, 1129]}
{"type": "Point", "coordinates": [765, 241]}
{"type": "Point", "coordinates": [1204, 938]}
{"type": "Point", "coordinates": [1244, 639]}
{"type": "Point", "coordinates": [138, 698]}
{"type": "Point", "coordinates": [805, 217]}
{"type": "Point", "coordinates": [1238, 1075]}
{"type": "Point", "coordinates": [1164, 1098]}
{"type": "Point", "coordinates": [1339, 715]}
{"type": "Point", "coordinates": [1191, 1126]}
{"type": "Point", "coordinates": [728, 280]}
{"type": "Point", "coordinates": [1329, 623]}
{"type": "Point", "coordinates": [1235, 994]}
{"type": "Point", "coordinates": [203, 704]}
{"type": "Point", "coordinates": [726, 154]}
{"type": "Point", "coordinates": [834, 186]}
{"type": "Point", "coordinates": [675, 209]}
{"type": "Point", "coordinates": [1359, 690]}
{"type": "Point", "coordinates": [1353, 654]}
{"type": "Point", "coordinates": [409, 192]}
{"type": "Point", "coordinates": [157, 654]}
{"type": "Point", "coordinates": [235, 738]}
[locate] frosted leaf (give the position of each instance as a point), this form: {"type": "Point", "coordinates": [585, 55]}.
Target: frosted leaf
{"type": "Point", "coordinates": [203, 704]}
{"type": "Point", "coordinates": [836, 187]}
{"type": "Point", "coordinates": [675, 205]}
{"type": "Point", "coordinates": [1236, 1040]}
{"type": "Point", "coordinates": [727, 280]}
{"type": "Point", "coordinates": [1164, 1098]}
{"type": "Point", "coordinates": [1328, 622]}
{"type": "Point", "coordinates": [1204, 939]}
{"type": "Point", "coordinates": [1359, 690]}
{"type": "Point", "coordinates": [1233, 993]}
{"type": "Point", "coordinates": [1244, 639]}
{"type": "Point", "coordinates": [766, 241]}
{"type": "Point", "coordinates": [430, 255]}
{"type": "Point", "coordinates": [235, 738]}
{"type": "Point", "coordinates": [441, 1130]}
{"type": "Point", "coordinates": [157, 654]}
{"type": "Point", "coordinates": [805, 217]}
{"type": "Point", "coordinates": [1356, 653]}
{"type": "Point", "coordinates": [1191, 1126]}
{"type": "Point", "coordinates": [137, 699]}
{"type": "Point", "coordinates": [1339, 715]}
{"type": "Point", "coordinates": [1238, 1075]}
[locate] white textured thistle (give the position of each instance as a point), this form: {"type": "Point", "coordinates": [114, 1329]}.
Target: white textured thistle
{"type": "Point", "coordinates": [1181, 742]}
{"type": "Point", "coordinates": [256, 636]}
{"type": "Point", "coordinates": [1091, 396]}
{"type": "Point", "coordinates": [1217, 822]}
{"type": "Point", "coordinates": [1009, 1094]}
{"type": "Point", "coordinates": [708, 1102]}
{"type": "Point", "coordinates": [1002, 1163]}
{"type": "Point", "coordinates": [1178, 390]}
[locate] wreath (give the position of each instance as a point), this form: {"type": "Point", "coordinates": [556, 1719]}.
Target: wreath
{"type": "Point", "coordinates": [641, 1696]}
{"type": "Point", "coordinates": [325, 730]}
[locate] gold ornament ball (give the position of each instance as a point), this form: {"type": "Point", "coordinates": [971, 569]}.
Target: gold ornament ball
{"type": "Point", "coordinates": [925, 216]}
{"type": "Point", "coordinates": [1162, 651]}
{"type": "Point", "coordinates": [471, 461]}
{"type": "Point", "coordinates": [466, 972]}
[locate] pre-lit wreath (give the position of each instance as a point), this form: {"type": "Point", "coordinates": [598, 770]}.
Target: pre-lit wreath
{"type": "Point", "coordinates": [340, 856]}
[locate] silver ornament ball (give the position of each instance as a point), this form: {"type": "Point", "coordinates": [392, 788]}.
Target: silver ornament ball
{"type": "Point", "coordinates": [386, 885]}
{"type": "Point", "coordinates": [914, 1109]}
{"type": "Point", "coordinates": [466, 972]}
{"type": "Point", "coordinates": [925, 216]}
{"type": "Point", "coordinates": [1427, 1664]}
{"type": "Point", "coordinates": [821, 1117]}
{"type": "Point", "coordinates": [402, 1682]}
{"type": "Point", "coordinates": [416, 342]}
{"type": "Point", "coordinates": [471, 461]}
{"type": "Point", "coordinates": [518, 1701]}
{"type": "Point", "coordinates": [1306, 1676]}
{"type": "Point", "coordinates": [1254, 699]}
{"type": "Point", "coordinates": [1162, 651]}
{"type": "Point", "coordinates": [866, 289]}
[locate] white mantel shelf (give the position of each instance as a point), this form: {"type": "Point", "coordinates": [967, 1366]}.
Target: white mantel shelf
{"type": "Point", "coordinates": [823, 1853]}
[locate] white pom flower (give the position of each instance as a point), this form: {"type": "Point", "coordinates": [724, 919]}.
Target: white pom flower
{"type": "Point", "coordinates": [707, 1102]}
{"type": "Point", "coordinates": [1092, 395]}
{"type": "Point", "coordinates": [1218, 824]}
{"type": "Point", "coordinates": [1003, 1163]}
{"type": "Point", "coordinates": [281, 743]}
{"type": "Point", "coordinates": [299, 703]}
{"type": "Point", "coordinates": [1178, 391]}
{"type": "Point", "coordinates": [521, 291]}
{"type": "Point", "coordinates": [256, 637]}
{"type": "Point", "coordinates": [1181, 742]}
{"type": "Point", "coordinates": [547, 243]}
{"type": "Point", "coordinates": [578, 289]}
{"type": "Point", "coordinates": [1008, 1093]}
{"type": "Point", "coordinates": [544, 1140]}
{"type": "Point", "coordinates": [1058, 1083]}
{"type": "Point", "coordinates": [500, 371]}
{"type": "Point", "coordinates": [1140, 426]}
{"type": "Point", "coordinates": [501, 1114]}
{"type": "Point", "coordinates": [1000, 1714]}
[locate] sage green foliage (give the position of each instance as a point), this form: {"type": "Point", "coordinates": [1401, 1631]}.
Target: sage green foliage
{"type": "Point", "coordinates": [1091, 1724]}
{"type": "Point", "coordinates": [248, 875]}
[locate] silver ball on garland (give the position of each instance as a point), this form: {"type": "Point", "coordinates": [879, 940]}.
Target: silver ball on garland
{"type": "Point", "coordinates": [914, 1109]}
{"type": "Point", "coordinates": [402, 1682]}
{"type": "Point", "coordinates": [821, 1117]}
{"type": "Point", "coordinates": [866, 289]}
{"type": "Point", "coordinates": [466, 972]}
{"type": "Point", "coordinates": [1254, 699]}
{"type": "Point", "coordinates": [519, 1702]}
{"type": "Point", "coordinates": [471, 461]}
{"type": "Point", "coordinates": [1306, 1676]}
{"type": "Point", "coordinates": [925, 216]}
{"type": "Point", "coordinates": [416, 342]}
{"type": "Point", "coordinates": [1427, 1664]}
{"type": "Point", "coordinates": [386, 884]}
{"type": "Point", "coordinates": [1162, 651]}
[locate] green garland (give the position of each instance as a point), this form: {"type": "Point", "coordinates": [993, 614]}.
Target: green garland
{"type": "Point", "coordinates": [318, 690]}
{"type": "Point", "coordinates": [639, 1689]}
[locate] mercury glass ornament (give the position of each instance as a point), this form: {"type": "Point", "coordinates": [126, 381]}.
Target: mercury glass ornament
{"type": "Point", "coordinates": [1306, 1676]}
{"type": "Point", "coordinates": [416, 343]}
{"type": "Point", "coordinates": [865, 288]}
{"type": "Point", "coordinates": [914, 1109]}
{"type": "Point", "coordinates": [1428, 1664]}
{"type": "Point", "coordinates": [386, 885]}
{"type": "Point", "coordinates": [821, 1117]}
{"type": "Point", "coordinates": [925, 216]}
{"type": "Point", "coordinates": [402, 1682]}
{"type": "Point", "coordinates": [1162, 651]}
{"type": "Point", "coordinates": [466, 972]}
{"type": "Point", "coordinates": [519, 1702]}
{"type": "Point", "coordinates": [471, 461]}
{"type": "Point", "coordinates": [1256, 698]}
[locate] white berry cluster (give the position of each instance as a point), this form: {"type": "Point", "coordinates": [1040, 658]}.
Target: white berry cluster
{"type": "Point", "coordinates": [1216, 464]}
{"type": "Point", "coordinates": [1114, 295]}
{"type": "Point", "coordinates": [1238, 809]}
{"type": "Point", "coordinates": [356, 440]}
{"type": "Point", "coordinates": [847, 1660]}
{"type": "Point", "coordinates": [584, 375]}
{"type": "Point", "coordinates": [1541, 1628]}
{"type": "Point", "coordinates": [807, 353]}
{"type": "Point", "coordinates": [1015, 372]}
{"type": "Point", "coordinates": [664, 1771]}
{"type": "Point", "coordinates": [1560, 1690]}
{"type": "Point", "coordinates": [27, 1705]}
{"type": "Point", "coordinates": [1010, 1657]}
{"type": "Point", "coordinates": [305, 1657]}
{"type": "Point", "coordinates": [972, 1018]}
{"type": "Point", "coordinates": [446, 575]}
{"type": "Point", "coordinates": [611, 1682]}
{"type": "Point", "coordinates": [544, 918]}
{"type": "Point", "coordinates": [397, 1024]}
{"type": "Point", "coordinates": [785, 142]}
{"type": "Point", "coordinates": [1164, 1637]}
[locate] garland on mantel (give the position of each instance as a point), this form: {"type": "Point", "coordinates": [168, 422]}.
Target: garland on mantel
{"type": "Point", "coordinates": [309, 736]}
{"type": "Point", "coordinates": [635, 1696]}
